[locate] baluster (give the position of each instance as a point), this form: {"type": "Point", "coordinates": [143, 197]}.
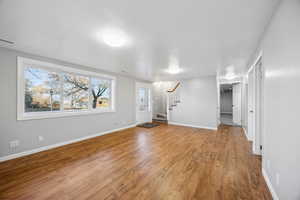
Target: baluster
{"type": "Point", "coordinates": [174, 97]}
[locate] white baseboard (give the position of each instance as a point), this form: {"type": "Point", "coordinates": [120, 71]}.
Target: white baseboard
{"type": "Point", "coordinates": [246, 134]}
{"type": "Point", "coordinates": [269, 184]}
{"type": "Point", "coordinates": [25, 153]}
{"type": "Point", "coordinates": [191, 125]}
{"type": "Point", "coordinates": [159, 119]}
{"type": "Point", "coordinates": [226, 112]}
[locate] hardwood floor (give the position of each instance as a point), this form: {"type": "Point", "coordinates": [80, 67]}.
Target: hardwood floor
{"type": "Point", "coordinates": [165, 162]}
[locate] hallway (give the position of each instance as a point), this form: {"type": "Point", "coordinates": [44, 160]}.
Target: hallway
{"type": "Point", "coordinates": [165, 162]}
{"type": "Point", "coordinates": [226, 119]}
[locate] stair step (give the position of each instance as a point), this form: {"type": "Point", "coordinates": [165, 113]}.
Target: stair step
{"type": "Point", "coordinates": [160, 121]}
{"type": "Point", "coordinates": [161, 114]}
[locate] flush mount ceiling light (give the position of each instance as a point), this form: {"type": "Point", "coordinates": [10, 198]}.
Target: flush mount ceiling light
{"type": "Point", "coordinates": [173, 70]}
{"type": "Point", "coordinates": [230, 76]}
{"type": "Point", "coordinates": [114, 37]}
{"type": "Point", "coordinates": [173, 66]}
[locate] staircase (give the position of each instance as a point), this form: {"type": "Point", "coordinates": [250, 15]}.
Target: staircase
{"type": "Point", "coordinates": [170, 100]}
{"type": "Point", "coordinates": [161, 117]}
{"type": "Point", "coordinates": [173, 97]}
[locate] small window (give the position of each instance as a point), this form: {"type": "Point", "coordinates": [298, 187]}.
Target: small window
{"type": "Point", "coordinates": [143, 99]}
{"type": "Point", "coordinates": [47, 90]}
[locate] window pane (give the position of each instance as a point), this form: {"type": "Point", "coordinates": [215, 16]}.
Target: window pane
{"type": "Point", "coordinates": [75, 92]}
{"type": "Point", "coordinates": [41, 90]}
{"type": "Point", "coordinates": [100, 93]}
{"type": "Point", "coordinates": [143, 99]}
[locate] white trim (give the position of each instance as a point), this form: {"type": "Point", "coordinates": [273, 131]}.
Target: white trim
{"type": "Point", "coordinates": [58, 114]}
{"type": "Point", "coordinates": [145, 115]}
{"type": "Point", "coordinates": [21, 115]}
{"type": "Point", "coordinates": [225, 82]}
{"type": "Point", "coordinates": [257, 124]}
{"type": "Point", "coordinates": [22, 61]}
{"type": "Point", "coordinates": [255, 61]}
{"type": "Point", "coordinates": [246, 134]}
{"type": "Point", "coordinates": [226, 112]}
{"type": "Point", "coordinates": [191, 125]}
{"type": "Point", "coordinates": [220, 82]}
{"type": "Point", "coordinates": [159, 119]}
{"type": "Point", "coordinates": [269, 184]}
{"type": "Point", "coordinates": [255, 151]}
{"type": "Point", "coordinates": [259, 107]}
{"type": "Point", "coordinates": [44, 148]}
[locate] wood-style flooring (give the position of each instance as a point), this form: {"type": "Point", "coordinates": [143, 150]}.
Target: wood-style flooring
{"type": "Point", "coordinates": [162, 163]}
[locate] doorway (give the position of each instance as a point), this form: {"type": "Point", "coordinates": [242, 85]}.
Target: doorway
{"type": "Point", "coordinates": [143, 103]}
{"type": "Point", "coordinates": [230, 104]}
{"type": "Point", "coordinates": [226, 102]}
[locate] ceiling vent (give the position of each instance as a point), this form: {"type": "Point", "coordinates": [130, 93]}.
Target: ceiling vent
{"type": "Point", "coordinates": [5, 42]}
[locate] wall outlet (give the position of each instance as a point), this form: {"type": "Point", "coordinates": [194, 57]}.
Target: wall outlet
{"type": "Point", "coordinates": [277, 179]}
{"type": "Point", "coordinates": [40, 138]}
{"type": "Point", "coordinates": [268, 164]}
{"type": "Point", "coordinates": [13, 145]}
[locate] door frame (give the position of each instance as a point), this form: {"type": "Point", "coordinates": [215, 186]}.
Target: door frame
{"type": "Point", "coordinates": [220, 82]}
{"type": "Point", "coordinates": [251, 104]}
{"type": "Point", "coordinates": [258, 107]}
{"type": "Point", "coordinates": [239, 102]}
{"type": "Point", "coordinates": [150, 110]}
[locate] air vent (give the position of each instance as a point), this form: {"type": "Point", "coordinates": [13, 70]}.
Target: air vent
{"type": "Point", "coordinates": [5, 42]}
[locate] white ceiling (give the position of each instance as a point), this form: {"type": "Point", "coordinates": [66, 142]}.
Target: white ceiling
{"type": "Point", "coordinates": [204, 36]}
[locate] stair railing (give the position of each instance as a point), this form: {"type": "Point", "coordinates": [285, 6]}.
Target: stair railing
{"type": "Point", "coordinates": [173, 97]}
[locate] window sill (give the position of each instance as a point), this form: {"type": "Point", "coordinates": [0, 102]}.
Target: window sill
{"type": "Point", "coordinates": [43, 115]}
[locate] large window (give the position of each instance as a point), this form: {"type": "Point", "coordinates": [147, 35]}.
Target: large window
{"type": "Point", "coordinates": [48, 90]}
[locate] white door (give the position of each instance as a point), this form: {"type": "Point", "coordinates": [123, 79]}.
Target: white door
{"type": "Point", "coordinates": [143, 103]}
{"type": "Point", "coordinates": [251, 104]}
{"type": "Point", "coordinates": [258, 108]}
{"type": "Point", "coordinates": [237, 104]}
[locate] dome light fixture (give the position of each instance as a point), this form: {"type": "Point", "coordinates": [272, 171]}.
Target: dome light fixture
{"type": "Point", "coordinates": [173, 66]}
{"type": "Point", "coordinates": [114, 37]}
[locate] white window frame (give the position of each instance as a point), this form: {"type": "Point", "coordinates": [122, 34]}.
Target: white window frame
{"type": "Point", "coordinates": [22, 115]}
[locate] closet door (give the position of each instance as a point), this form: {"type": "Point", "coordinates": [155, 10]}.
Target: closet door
{"type": "Point", "coordinates": [237, 103]}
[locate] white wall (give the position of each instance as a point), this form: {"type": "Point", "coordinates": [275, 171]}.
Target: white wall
{"type": "Point", "coordinates": [55, 130]}
{"type": "Point", "coordinates": [281, 135]}
{"type": "Point", "coordinates": [198, 105]}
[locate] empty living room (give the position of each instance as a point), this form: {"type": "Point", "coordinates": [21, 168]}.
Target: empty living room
{"type": "Point", "coordinates": [149, 100]}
